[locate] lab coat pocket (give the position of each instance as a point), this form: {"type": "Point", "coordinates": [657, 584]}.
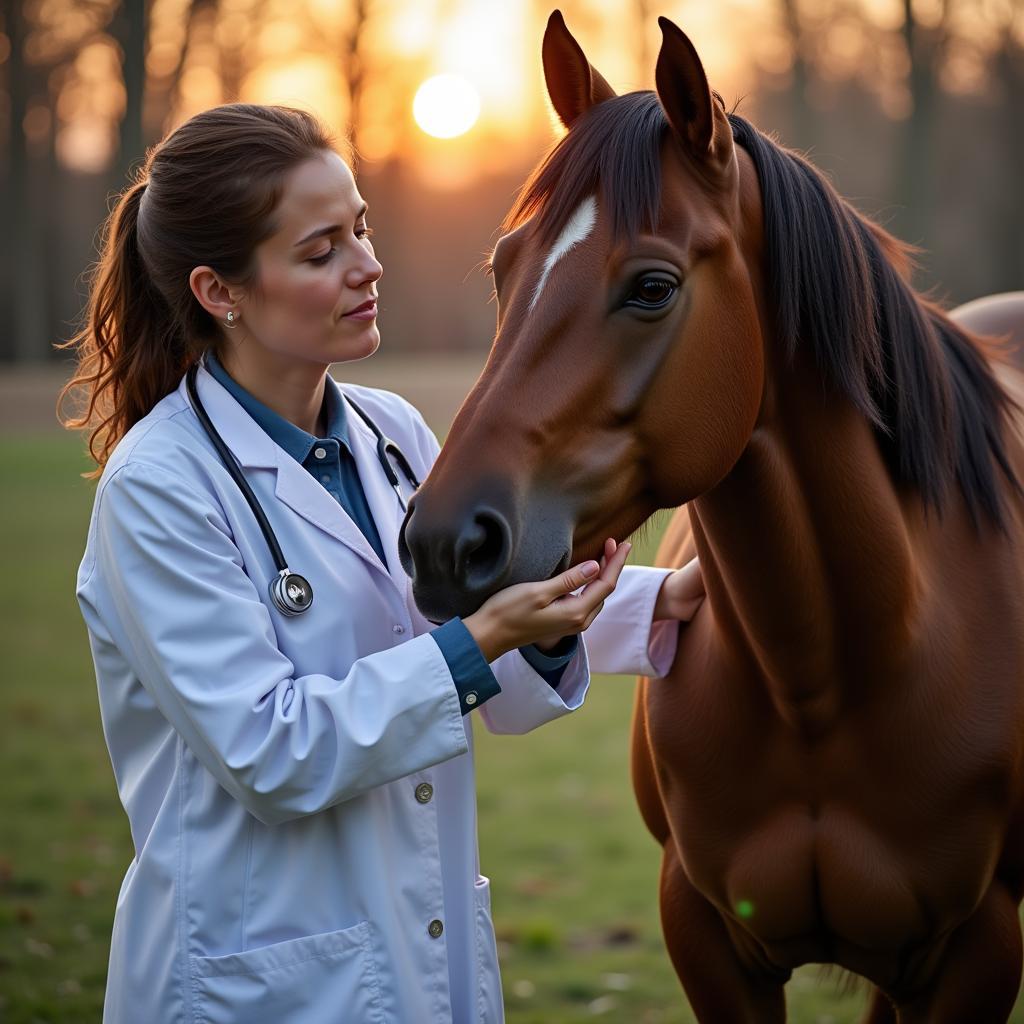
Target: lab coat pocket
{"type": "Point", "coordinates": [490, 1008]}
{"type": "Point", "coordinates": [313, 980]}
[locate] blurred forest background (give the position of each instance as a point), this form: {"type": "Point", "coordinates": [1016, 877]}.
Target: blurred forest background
{"type": "Point", "coordinates": [913, 106]}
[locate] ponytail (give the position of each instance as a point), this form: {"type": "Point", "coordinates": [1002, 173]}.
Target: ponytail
{"type": "Point", "coordinates": [205, 197]}
{"type": "Point", "coordinates": [132, 352]}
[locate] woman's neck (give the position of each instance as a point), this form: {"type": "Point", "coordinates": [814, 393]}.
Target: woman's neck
{"type": "Point", "coordinates": [293, 388]}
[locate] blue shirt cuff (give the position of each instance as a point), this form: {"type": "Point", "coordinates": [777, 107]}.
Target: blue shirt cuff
{"type": "Point", "coordinates": [551, 665]}
{"type": "Point", "coordinates": [472, 675]}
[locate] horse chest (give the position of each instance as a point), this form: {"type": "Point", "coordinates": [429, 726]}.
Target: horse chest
{"type": "Point", "coordinates": [867, 838]}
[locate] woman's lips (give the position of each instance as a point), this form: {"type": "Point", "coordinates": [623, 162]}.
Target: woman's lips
{"type": "Point", "coordinates": [367, 311]}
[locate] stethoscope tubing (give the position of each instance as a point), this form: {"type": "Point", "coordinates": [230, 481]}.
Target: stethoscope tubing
{"type": "Point", "coordinates": [291, 593]}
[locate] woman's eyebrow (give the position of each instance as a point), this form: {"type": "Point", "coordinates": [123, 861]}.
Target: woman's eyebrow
{"type": "Point", "coordinates": [328, 230]}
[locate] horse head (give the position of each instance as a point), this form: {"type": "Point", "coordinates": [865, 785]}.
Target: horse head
{"type": "Point", "coordinates": [627, 371]}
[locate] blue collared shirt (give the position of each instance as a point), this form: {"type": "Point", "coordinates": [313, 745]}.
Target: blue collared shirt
{"type": "Point", "coordinates": [330, 460]}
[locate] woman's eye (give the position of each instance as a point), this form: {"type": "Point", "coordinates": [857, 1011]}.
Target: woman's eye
{"type": "Point", "coordinates": [364, 232]}
{"type": "Point", "coordinates": [651, 293]}
{"type": "Point", "coordinates": [321, 260]}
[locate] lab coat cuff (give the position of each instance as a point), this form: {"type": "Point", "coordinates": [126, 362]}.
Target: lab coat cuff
{"type": "Point", "coordinates": [471, 674]}
{"type": "Point", "coordinates": [624, 638]}
{"type": "Point", "coordinates": [551, 665]}
{"type": "Point", "coordinates": [527, 701]}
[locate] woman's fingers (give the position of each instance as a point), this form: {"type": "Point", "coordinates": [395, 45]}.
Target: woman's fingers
{"type": "Point", "coordinates": [600, 588]}
{"type": "Point", "coordinates": [590, 618]}
{"type": "Point", "coordinates": [571, 579]}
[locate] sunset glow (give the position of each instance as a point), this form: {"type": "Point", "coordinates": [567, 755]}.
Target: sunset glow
{"type": "Point", "coordinates": [446, 106]}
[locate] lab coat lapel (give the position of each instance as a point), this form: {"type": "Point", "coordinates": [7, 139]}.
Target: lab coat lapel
{"type": "Point", "coordinates": [304, 495]}
{"type": "Point", "coordinates": [380, 495]}
{"type": "Point", "coordinates": [294, 486]}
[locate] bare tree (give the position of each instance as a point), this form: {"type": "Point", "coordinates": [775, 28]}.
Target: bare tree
{"type": "Point", "coordinates": [167, 99]}
{"type": "Point", "coordinates": [802, 128]}
{"type": "Point", "coordinates": [915, 185]}
{"type": "Point", "coordinates": [129, 27]}
{"type": "Point", "coordinates": [1009, 207]}
{"type": "Point", "coordinates": [24, 313]}
{"type": "Point", "coordinates": [355, 72]}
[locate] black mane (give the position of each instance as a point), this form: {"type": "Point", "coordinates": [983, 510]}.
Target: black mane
{"type": "Point", "coordinates": [833, 288]}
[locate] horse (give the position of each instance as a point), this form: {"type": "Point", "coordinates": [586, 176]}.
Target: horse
{"type": "Point", "coordinates": [691, 318]}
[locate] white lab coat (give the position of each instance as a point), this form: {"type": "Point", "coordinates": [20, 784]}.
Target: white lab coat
{"type": "Point", "coordinates": [288, 859]}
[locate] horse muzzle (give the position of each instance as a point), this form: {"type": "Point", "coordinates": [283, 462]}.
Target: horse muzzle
{"type": "Point", "coordinates": [457, 560]}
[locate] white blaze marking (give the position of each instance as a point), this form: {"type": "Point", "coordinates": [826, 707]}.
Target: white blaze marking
{"type": "Point", "coordinates": [579, 225]}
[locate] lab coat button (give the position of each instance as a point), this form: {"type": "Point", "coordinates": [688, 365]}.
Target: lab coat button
{"type": "Point", "coordinates": [434, 929]}
{"type": "Point", "coordinates": [424, 791]}
{"type": "Point", "coordinates": [320, 453]}
{"type": "Point", "coordinates": [470, 698]}
{"type": "Point", "coordinates": [398, 628]}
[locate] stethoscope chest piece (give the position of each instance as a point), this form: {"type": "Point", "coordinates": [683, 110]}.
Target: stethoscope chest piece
{"type": "Point", "coordinates": [290, 593]}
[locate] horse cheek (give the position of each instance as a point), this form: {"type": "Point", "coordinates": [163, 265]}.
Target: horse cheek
{"type": "Point", "coordinates": [705, 402]}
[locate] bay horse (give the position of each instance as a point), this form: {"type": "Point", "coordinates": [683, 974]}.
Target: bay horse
{"type": "Point", "coordinates": [690, 317]}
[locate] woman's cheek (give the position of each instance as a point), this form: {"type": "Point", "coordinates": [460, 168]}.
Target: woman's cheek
{"type": "Point", "coordinates": [322, 297]}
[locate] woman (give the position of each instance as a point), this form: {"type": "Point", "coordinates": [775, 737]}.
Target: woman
{"type": "Point", "coordinates": [298, 778]}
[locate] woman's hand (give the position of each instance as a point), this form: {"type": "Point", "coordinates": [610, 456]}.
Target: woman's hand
{"type": "Point", "coordinates": [681, 594]}
{"type": "Point", "coordinates": [529, 612]}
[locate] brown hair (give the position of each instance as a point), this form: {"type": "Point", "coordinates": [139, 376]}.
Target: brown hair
{"type": "Point", "coordinates": [205, 196]}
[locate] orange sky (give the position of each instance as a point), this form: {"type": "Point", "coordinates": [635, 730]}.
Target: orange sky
{"type": "Point", "coordinates": [296, 59]}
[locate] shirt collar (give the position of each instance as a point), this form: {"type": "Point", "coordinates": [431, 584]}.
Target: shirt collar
{"type": "Point", "coordinates": [294, 440]}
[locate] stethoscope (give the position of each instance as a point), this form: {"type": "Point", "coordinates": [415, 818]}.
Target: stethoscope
{"type": "Point", "coordinates": [291, 593]}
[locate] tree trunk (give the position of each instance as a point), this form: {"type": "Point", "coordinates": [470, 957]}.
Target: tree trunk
{"type": "Point", "coordinates": [803, 132]}
{"type": "Point", "coordinates": [27, 336]}
{"type": "Point", "coordinates": [129, 28]}
{"type": "Point", "coordinates": [1008, 233]}
{"type": "Point", "coordinates": [355, 75]}
{"type": "Point", "coordinates": [915, 186]}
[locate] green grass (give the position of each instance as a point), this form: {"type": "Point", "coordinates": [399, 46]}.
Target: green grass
{"type": "Point", "coordinates": [574, 872]}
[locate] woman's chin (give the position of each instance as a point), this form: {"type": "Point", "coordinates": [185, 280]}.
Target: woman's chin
{"type": "Point", "coordinates": [359, 346]}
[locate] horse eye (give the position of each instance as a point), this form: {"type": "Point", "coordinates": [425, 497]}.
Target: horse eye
{"type": "Point", "coordinates": [651, 293]}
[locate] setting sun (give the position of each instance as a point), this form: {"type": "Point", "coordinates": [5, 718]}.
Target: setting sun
{"type": "Point", "coordinates": [446, 106]}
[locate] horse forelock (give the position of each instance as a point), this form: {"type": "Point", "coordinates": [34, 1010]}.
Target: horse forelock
{"type": "Point", "coordinates": [613, 152]}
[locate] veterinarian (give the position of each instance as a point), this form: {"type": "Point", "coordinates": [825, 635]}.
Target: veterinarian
{"type": "Point", "coordinates": [289, 736]}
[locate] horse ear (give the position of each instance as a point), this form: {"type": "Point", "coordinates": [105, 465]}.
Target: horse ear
{"type": "Point", "coordinates": [683, 90]}
{"type": "Point", "coordinates": [573, 85]}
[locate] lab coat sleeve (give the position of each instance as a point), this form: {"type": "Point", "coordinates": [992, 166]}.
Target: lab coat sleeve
{"type": "Point", "coordinates": [192, 625]}
{"type": "Point", "coordinates": [527, 699]}
{"type": "Point", "coordinates": [624, 638]}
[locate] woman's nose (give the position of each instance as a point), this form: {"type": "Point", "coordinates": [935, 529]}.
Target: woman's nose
{"type": "Point", "coordinates": [366, 271]}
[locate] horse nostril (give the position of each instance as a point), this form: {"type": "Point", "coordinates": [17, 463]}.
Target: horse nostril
{"type": "Point", "coordinates": [482, 550]}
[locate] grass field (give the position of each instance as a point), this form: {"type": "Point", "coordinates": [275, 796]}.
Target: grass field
{"type": "Point", "coordinates": [574, 871]}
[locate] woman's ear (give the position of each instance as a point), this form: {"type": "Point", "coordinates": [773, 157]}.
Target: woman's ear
{"type": "Point", "coordinates": [573, 85]}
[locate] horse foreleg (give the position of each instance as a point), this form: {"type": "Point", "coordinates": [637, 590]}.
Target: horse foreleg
{"type": "Point", "coordinates": [720, 988]}
{"type": "Point", "coordinates": [979, 974]}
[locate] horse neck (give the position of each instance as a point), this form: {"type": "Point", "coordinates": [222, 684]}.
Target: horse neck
{"type": "Point", "coordinates": [806, 551]}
